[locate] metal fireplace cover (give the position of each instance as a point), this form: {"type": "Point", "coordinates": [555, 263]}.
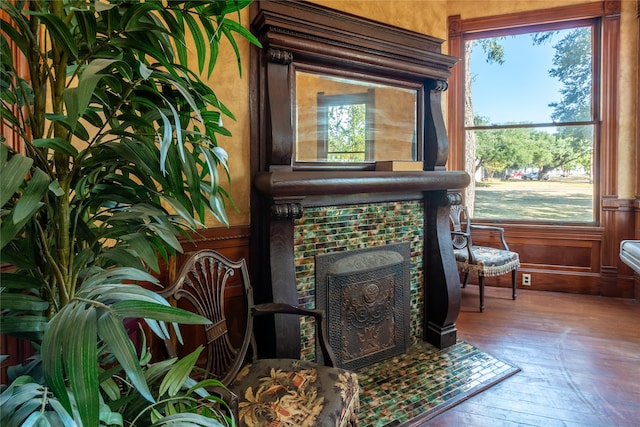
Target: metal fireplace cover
{"type": "Point", "coordinates": [366, 296]}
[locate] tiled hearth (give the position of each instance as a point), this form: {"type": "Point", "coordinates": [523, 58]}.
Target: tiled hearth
{"type": "Point", "coordinates": [424, 382]}
{"type": "Point", "coordinates": [331, 229]}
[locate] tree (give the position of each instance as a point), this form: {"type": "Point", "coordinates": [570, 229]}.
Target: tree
{"type": "Point", "coordinates": [347, 132]}
{"type": "Point", "coordinates": [514, 148]}
{"type": "Point", "coordinates": [573, 67]}
{"type": "Point", "coordinates": [572, 62]}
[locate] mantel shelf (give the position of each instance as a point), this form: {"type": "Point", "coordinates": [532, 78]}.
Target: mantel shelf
{"type": "Point", "coordinates": [306, 183]}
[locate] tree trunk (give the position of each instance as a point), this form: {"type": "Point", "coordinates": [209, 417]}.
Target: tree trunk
{"type": "Point", "coordinates": [470, 136]}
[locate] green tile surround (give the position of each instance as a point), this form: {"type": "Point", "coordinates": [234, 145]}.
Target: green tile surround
{"type": "Point", "coordinates": [329, 229]}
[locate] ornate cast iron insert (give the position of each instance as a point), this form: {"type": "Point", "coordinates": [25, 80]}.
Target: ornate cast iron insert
{"type": "Point", "coordinates": [365, 293]}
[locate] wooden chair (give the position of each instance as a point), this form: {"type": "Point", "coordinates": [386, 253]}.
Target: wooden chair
{"type": "Point", "coordinates": [264, 392]}
{"type": "Point", "coordinates": [484, 260]}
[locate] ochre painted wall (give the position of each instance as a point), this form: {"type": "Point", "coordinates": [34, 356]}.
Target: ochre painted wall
{"type": "Point", "coordinates": [233, 91]}
{"type": "Point", "coordinates": [428, 17]}
{"type": "Point", "coordinates": [423, 16]}
{"type": "Point", "coordinates": [629, 104]}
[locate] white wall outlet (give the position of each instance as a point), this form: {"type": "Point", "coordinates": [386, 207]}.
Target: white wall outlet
{"type": "Point", "coordinates": [526, 280]}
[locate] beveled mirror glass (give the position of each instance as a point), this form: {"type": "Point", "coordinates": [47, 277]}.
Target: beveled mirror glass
{"type": "Point", "coordinates": [344, 120]}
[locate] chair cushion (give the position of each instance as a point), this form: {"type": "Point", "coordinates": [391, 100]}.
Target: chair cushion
{"type": "Point", "coordinates": [489, 261]}
{"type": "Point", "coordinates": [295, 393]}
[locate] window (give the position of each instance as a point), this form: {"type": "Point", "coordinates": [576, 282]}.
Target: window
{"type": "Point", "coordinates": [345, 125]}
{"type": "Point", "coordinates": [530, 115]}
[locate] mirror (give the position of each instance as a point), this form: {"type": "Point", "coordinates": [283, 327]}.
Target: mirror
{"type": "Point", "coordinates": [343, 120]}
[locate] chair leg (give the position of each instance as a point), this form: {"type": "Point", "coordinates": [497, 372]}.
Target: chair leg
{"type": "Point", "coordinates": [513, 284]}
{"type": "Point", "coordinates": [481, 285]}
{"type": "Point", "coordinates": [466, 279]}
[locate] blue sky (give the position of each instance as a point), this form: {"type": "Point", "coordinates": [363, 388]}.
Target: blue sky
{"type": "Point", "coordinates": [520, 89]}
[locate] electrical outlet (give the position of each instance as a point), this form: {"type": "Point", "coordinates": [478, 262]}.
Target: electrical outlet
{"type": "Point", "coordinates": [526, 280]}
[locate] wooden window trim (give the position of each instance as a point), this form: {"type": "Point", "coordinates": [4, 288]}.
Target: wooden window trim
{"type": "Point", "coordinates": [606, 152]}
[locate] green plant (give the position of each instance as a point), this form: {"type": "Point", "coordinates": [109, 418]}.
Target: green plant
{"type": "Point", "coordinates": [119, 159]}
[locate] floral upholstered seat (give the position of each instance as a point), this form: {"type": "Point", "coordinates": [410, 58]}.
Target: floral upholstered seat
{"type": "Point", "coordinates": [484, 260]}
{"type": "Point", "coordinates": [264, 392]}
{"type": "Point", "coordinates": [294, 393]}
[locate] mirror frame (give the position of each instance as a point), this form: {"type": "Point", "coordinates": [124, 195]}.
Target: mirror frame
{"type": "Point", "coordinates": [309, 37]}
{"type": "Point", "coordinates": [369, 87]}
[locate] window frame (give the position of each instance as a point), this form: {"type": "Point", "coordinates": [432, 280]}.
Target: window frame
{"type": "Point", "coordinates": [605, 63]}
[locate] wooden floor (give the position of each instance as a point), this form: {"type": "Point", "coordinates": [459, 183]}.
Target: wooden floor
{"type": "Point", "coordinates": [579, 355]}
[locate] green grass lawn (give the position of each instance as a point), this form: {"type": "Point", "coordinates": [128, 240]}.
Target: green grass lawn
{"type": "Point", "coordinates": [557, 199]}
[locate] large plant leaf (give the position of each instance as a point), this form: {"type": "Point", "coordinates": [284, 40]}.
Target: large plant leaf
{"type": "Point", "coordinates": [58, 145]}
{"type": "Point", "coordinates": [22, 302]}
{"type": "Point", "coordinates": [188, 419]}
{"type": "Point", "coordinates": [24, 326]}
{"type": "Point", "coordinates": [58, 30]}
{"type": "Point", "coordinates": [117, 276]}
{"type": "Point", "coordinates": [87, 25]}
{"type": "Point", "coordinates": [151, 310]}
{"type": "Point", "coordinates": [12, 174]}
{"type": "Point", "coordinates": [77, 99]}
{"type": "Point", "coordinates": [19, 281]}
{"type": "Point", "coordinates": [12, 177]}
{"type": "Point", "coordinates": [52, 362]}
{"type": "Point", "coordinates": [111, 330]}
{"type": "Point", "coordinates": [81, 361]}
{"type": "Point", "coordinates": [177, 376]}
{"type": "Point", "coordinates": [31, 200]}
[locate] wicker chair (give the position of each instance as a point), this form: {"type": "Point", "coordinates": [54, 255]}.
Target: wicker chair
{"type": "Point", "coordinates": [484, 260]}
{"type": "Point", "coordinates": [264, 392]}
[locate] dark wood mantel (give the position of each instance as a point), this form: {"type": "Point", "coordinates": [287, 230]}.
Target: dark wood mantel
{"type": "Point", "coordinates": [307, 183]}
{"type": "Point", "coordinates": [299, 33]}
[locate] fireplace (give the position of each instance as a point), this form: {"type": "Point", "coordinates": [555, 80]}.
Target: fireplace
{"type": "Point", "coordinates": [293, 196]}
{"type": "Point", "coordinates": [366, 296]}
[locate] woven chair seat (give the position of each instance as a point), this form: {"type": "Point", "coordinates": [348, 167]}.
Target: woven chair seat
{"type": "Point", "coordinates": [489, 261]}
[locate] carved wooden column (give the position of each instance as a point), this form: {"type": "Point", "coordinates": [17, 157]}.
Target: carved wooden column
{"type": "Point", "coordinates": [441, 279]}
{"type": "Point", "coordinates": [276, 262]}
{"type": "Point", "coordinates": [436, 142]}
{"type": "Point", "coordinates": [280, 109]}
{"type": "Point", "coordinates": [284, 211]}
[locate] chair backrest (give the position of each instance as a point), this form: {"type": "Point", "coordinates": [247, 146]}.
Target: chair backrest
{"type": "Point", "coordinates": [201, 284]}
{"type": "Point", "coordinates": [460, 224]}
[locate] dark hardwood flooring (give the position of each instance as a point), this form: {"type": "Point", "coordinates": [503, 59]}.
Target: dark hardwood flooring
{"type": "Point", "coordinates": [579, 355]}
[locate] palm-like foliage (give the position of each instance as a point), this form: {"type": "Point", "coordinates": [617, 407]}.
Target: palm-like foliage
{"type": "Point", "coordinates": [120, 157]}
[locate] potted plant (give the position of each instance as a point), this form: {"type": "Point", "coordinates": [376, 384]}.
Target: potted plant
{"type": "Point", "coordinates": [119, 157]}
